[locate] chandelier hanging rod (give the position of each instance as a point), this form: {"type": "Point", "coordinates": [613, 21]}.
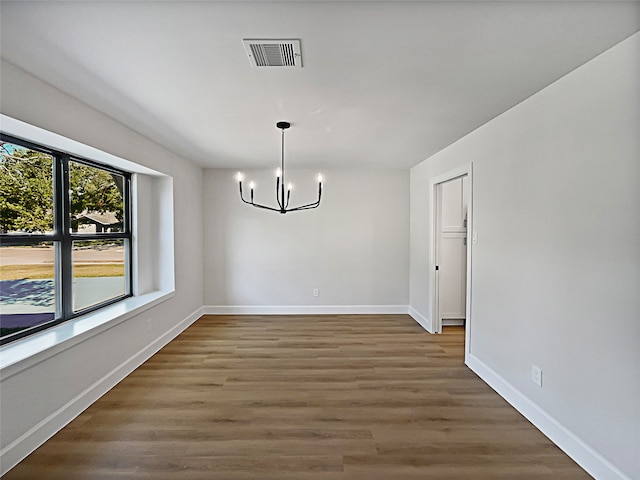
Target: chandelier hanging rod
{"type": "Point", "coordinates": [281, 198]}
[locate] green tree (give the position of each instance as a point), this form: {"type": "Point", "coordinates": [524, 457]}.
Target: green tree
{"type": "Point", "coordinates": [94, 190]}
{"type": "Point", "coordinates": [26, 186]}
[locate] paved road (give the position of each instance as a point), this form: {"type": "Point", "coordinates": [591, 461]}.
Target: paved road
{"type": "Point", "coordinates": [31, 255]}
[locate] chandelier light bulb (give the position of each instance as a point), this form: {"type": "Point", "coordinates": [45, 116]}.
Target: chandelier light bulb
{"type": "Point", "coordinates": [290, 186]}
{"type": "Point", "coordinates": [278, 172]}
{"type": "Point", "coordinates": [252, 185]}
{"type": "Point", "coordinates": [319, 178]}
{"type": "Point", "coordinates": [240, 176]}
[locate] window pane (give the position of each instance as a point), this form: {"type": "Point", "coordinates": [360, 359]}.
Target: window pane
{"type": "Point", "coordinates": [27, 291]}
{"type": "Point", "coordinates": [96, 199]}
{"type": "Point", "coordinates": [98, 272]}
{"type": "Point", "coordinates": [26, 186]}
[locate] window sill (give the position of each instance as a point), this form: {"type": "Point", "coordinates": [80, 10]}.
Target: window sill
{"type": "Point", "coordinates": [24, 353]}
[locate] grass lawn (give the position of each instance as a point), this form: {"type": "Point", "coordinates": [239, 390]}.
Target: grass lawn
{"type": "Point", "coordinates": [37, 272]}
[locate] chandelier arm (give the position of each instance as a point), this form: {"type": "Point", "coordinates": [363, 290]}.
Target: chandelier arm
{"type": "Point", "coordinates": [303, 207]}
{"type": "Point", "coordinates": [241, 195]}
{"type": "Point", "coordinates": [249, 202]}
{"type": "Point", "coordinates": [278, 192]}
{"type": "Point", "coordinates": [309, 206]}
{"type": "Point", "coordinates": [257, 205]}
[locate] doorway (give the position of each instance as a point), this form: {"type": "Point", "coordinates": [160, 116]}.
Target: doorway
{"type": "Point", "coordinates": [451, 251]}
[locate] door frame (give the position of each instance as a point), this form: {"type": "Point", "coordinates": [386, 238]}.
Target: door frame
{"type": "Point", "coordinates": [436, 320]}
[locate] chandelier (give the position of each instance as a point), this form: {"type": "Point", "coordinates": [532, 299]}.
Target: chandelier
{"type": "Point", "coordinates": [281, 197]}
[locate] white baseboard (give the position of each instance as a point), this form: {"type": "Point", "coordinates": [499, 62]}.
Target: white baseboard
{"type": "Point", "coordinates": [450, 322]}
{"type": "Point", "coordinates": [423, 321]}
{"type": "Point", "coordinates": [17, 450]}
{"type": "Point", "coordinates": [585, 456]}
{"type": "Point", "coordinates": [304, 309]}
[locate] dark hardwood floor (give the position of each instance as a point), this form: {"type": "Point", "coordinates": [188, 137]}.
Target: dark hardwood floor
{"type": "Point", "coordinates": [302, 397]}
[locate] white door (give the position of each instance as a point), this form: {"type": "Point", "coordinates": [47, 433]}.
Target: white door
{"type": "Point", "coordinates": [451, 250]}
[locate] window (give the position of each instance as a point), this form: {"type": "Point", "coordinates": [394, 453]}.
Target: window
{"type": "Point", "coordinates": [65, 231]}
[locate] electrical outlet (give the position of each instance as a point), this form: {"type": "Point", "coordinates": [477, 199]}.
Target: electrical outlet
{"type": "Point", "coordinates": [536, 375]}
{"type": "Point", "coordinates": [316, 292]}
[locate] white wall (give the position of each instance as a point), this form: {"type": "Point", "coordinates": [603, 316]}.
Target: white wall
{"type": "Point", "coordinates": [354, 248]}
{"type": "Point", "coordinates": [36, 400]}
{"type": "Point", "coordinates": [556, 270]}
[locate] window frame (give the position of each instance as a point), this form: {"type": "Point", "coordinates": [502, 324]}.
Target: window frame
{"type": "Point", "coordinates": [63, 238]}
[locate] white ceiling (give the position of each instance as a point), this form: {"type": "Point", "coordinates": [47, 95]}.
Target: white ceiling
{"type": "Point", "coordinates": [384, 84]}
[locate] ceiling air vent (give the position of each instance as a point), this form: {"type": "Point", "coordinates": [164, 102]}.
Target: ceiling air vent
{"type": "Point", "coordinates": [273, 53]}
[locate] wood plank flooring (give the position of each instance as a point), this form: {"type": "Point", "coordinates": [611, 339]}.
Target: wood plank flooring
{"type": "Point", "coordinates": [302, 397]}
